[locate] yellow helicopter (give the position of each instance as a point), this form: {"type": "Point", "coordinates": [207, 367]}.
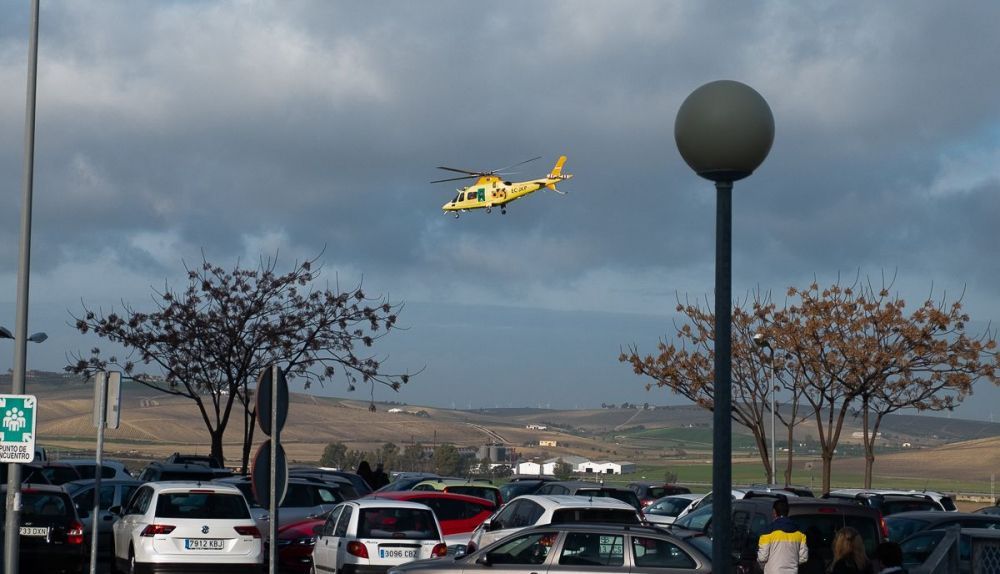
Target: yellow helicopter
{"type": "Point", "coordinates": [490, 190]}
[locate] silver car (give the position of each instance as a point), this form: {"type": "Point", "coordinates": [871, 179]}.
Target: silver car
{"type": "Point", "coordinates": [580, 548]}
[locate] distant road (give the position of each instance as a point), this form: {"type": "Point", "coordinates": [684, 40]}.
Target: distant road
{"type": "Point", "coordinates": [491, 433]}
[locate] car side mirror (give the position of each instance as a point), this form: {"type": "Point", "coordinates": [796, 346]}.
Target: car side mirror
{"type": "Point", "coordinates": [116, 510]}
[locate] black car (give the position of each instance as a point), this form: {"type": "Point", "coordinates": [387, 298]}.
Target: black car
{"type": "Point", "coordinates": [203, 459]}
{"type": "Point", "coordinates": [51, 533]}
{"type": "Point", "coordinates": [818, 519]}
{"type": "Point", "coordinates": [580, 488]}
{"type": "Point", "coordinates": [160, 471]}
{"type": "Point", "coordinates": [520, 487]}
{"type": "Point", "coordinates": [650, 491]}
{"type": "Point", "coordinates": [890, 503]}
{"type": "Point", "coordinates": [31, 473]}
{"type": "Point", "coordinates": [919, 548]}
{"type": "Point", "coordinates": [359, 486]}
{"type": "Point", "coordinates": [989, 510]}
{"type": "Point", "coordinates": [905, 524]}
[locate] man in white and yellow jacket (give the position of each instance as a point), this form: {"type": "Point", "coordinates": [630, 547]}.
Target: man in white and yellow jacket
{"type": "Point", "coordinates": [783, 549]}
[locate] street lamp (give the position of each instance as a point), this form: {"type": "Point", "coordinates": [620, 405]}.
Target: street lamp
{"type": "Point", "coordinates": [763, 343]}
{"type": "Point", "coordinates": [723, 130]}
{"type": "Point", "coordinates": [35, 338]}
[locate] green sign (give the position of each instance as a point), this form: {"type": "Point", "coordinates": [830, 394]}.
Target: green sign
{"type": "Point", "coordinates": [17, 428]}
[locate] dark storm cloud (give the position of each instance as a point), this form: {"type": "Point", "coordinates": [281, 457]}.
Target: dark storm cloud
{"type": "Point", "coordinates": [168, 128]}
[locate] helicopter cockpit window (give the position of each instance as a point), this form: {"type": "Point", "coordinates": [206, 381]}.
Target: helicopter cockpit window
{"type": "Point", "coordinates": [457, 198]}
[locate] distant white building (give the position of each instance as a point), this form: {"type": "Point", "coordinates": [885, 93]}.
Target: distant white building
{"type": "Point", "coordinates": [536, 427]}
{"type": "Point", "coordinates": [396, 410]}
{"type": "Point", "coordinates": [548, 467]}
{"type": "Point", "coordinates": [607, 467]}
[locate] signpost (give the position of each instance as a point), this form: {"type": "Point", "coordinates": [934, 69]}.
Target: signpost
{"type": "Point", "coordinates": [107, 412]}
{"type": "Point", "coordinates": [272, 407]}
{"type": "Point", "coordinates": [17, 429]}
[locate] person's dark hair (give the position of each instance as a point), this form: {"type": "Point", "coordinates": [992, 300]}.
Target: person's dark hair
{"type": "Point", "coordinates": [889, 554]}
{"type": "Point", "coordinates": [781, 507]}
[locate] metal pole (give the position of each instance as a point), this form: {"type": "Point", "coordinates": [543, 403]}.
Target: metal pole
{"type": "Point", "coordinates": [12, 540]}
{"type": "Point", "coordinates": [774, 448]}
{"type": "Point", "coordinates": [102, 406]}
{"type": "Point", "coordinates": [272, 525]}
{"type": "Point", "coordinates": [722, 440]}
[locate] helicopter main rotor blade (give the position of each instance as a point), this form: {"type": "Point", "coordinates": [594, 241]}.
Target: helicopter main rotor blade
{"type": "Point", "coordinates": [455, 178]}
{"type": "Point", "coordinates": [516, 164]}
{"type": "Point", "coordinates": [460, 170]}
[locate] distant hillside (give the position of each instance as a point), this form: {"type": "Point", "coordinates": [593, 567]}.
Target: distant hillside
{"type": "Point", "coordinates": [155, 424]}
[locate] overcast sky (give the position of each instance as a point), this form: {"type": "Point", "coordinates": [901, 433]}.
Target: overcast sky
{"type": "Point", "coordinates": [165, 129]}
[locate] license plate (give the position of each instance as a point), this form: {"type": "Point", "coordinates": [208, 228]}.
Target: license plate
{"type": "Point", "coordinates": [396, 553]}
{"type": "Point", "coordinates": [34, 531]}
{"type": "Point", "coordinates": [204, 544]}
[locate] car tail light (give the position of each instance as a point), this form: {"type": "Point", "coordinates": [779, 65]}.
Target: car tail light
{"type": "Point", "coordinates": [75, 533]}
{"type": "Point", "coordinates": [440, 550]}
{"type": "Point", "coordinates": [883, 526]}
{"type": "Point", "coordinates": [154, 529]}
{"type": "Point", "coordinates": [247, 531]}
{"type": "Point", "coordinates": [355, 548]}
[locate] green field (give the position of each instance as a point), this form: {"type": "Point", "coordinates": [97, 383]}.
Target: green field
{"type": "Point", "coordinates": [686, 438]}
{"type": "Point", "coordinates": [699, 477]}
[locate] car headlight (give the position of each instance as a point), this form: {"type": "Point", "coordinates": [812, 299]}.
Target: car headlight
{"type": "Point", "coordinates": [305, 541]}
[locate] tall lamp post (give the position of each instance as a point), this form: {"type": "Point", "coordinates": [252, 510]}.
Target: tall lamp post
{"type": "Point", "coordinates": [763, 343]}
{"type": "Point", "coordinates": [723, 130]}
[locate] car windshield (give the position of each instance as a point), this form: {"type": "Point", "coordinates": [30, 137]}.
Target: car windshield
{"type": "Point", "coordinates": [607, 515]}
{"type": "Point", "coordinates": [404, 523]}
{"type": "Point", "coordinates": [201, 504]}
{"type": "Point", "coordinates": [42, 504]}
{"type": "Point", "coordinates": [900, 528]}
{"type": "Point", "coordinates": [668, 507]}
{"type": "Point", "coordinates": [697, 520]}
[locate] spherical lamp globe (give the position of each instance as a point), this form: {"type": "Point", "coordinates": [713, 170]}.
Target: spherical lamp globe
{"type": "Point", "coordinates": [724, 130]}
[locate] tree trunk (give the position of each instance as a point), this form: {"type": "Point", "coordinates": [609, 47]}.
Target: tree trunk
{"type": "Point", "coordinates": [249, 427]}
{"type": "Point", "coordinates": [217, 446]}
{"type": "Point", "coordinates": [791, 449]}
{"type": "Point", "coordinates": [827, 468]}
{"type": "Point", "coordinates": [765, 458]}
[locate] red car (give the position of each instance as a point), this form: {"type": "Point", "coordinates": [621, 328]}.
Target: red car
{"type": "Point", "coordinates": [457, 514]}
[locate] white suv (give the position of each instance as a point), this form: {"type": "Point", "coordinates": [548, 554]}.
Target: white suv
{"type": "Point", "coordinates": [373, 534]}
{"type": "Point", "coordinates": [540, 509]}
{"type": "Point", "coordinates": [180, 525]}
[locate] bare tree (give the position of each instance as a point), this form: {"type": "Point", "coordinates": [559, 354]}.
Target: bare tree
{"type": "Point", "coordinates": [687, 366]}
{"type": "Point", "coordinates": [210, 341]}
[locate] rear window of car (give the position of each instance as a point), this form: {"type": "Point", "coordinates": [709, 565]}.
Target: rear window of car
{"type": "Point", "coordinates": [60, 474]}
{"type": "Point", "coordinates": [89, 470]}
{"type": "Point", "coordinates": [189, 475]}
{"type": "Point", "coordinates": [605, 515]}
{"type": "Point", "coordinates": [447, 509]}
{"type": "Point", "coordinates": [201, 505]}
{"type": "Point", "coordinates": [820, 530]}
{"type": "Point", "coordinates": [42, 504]}
{"type": "Point", "coordinates": [404, 523]}
{"type": "Point", "coordinates": [897, 506]}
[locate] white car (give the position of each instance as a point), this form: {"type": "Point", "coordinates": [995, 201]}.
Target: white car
{"type": "Point", "coordinates": [665, 510]}
{"type": "Point", "coordinates": [372, 534]}
{"type": "Point", "coordinates": [186, 525]}
{"type": "Point", "coordinates": [540, 509]}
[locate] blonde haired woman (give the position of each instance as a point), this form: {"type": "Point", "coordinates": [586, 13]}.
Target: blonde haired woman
{"type": "Point", "coordinates": [849, 553]}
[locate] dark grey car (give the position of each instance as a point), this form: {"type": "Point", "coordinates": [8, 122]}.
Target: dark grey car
{"type": "Point", "coordinates": [905, 524]}
{"type": "Point", "coordinates": [114, 492]}
{"type": "Point", "coordinates": [580, 548]}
